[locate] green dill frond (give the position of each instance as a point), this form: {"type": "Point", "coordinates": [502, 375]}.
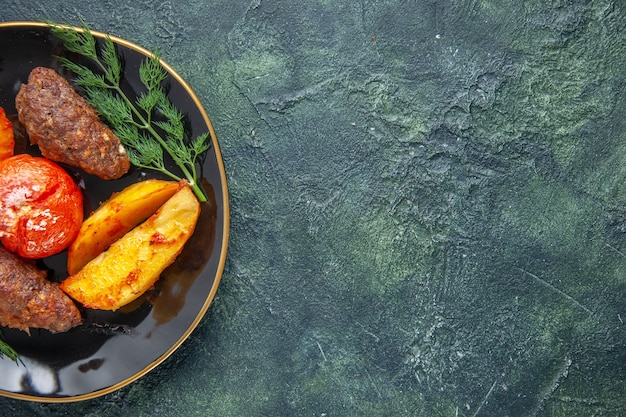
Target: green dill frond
{"type": "Point", "coordinates": [147, 153]}
{"type": "Point", "coordinates": [110, 106]}
{"type": "Point", "coordinates": [8, 351]}
{"type": "Point", "coordinates": [173, 123]}
{"type": "Point", "coordinates": [148, 100]}
{"type": "Point", "coordinates": [169, 111]}
{"type": "Point", "coordinates": [200, 145]}
{"type": "Point", "coordinates": [112, 66]}
{"type": "Point", "coordinates": [151, 73]}
{"type": "Point", "coordinates": [128, 134]}
{"type": "Point", "coordinates": [179, 152]}
{"type": "Point", "coordinates": [174, 129]}
{"type": "Point", "coordinates": [82, 43]}
{"type": "Point", "coordinates": [84, 76]}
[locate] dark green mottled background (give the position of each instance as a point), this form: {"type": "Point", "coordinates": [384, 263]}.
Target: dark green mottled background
{"type": "Point", "coordinates": [428, 206]}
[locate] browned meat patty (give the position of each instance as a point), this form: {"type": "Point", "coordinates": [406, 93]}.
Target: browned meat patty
{"type": "Point", "coordinates": [29, 300]}
{"type": "Point", "coordinates": [66, 128]}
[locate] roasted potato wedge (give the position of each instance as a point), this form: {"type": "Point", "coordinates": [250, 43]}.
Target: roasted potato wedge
{"type": "Point", "coordinates": [133, 263]}
{"type": "Point", "coordinates": [115, 217]}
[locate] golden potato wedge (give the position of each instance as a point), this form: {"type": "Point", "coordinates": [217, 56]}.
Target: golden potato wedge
{"type": "Point", "coordinates": [133, 263]}
{"type": "Point", "coordinates": [115, 217]}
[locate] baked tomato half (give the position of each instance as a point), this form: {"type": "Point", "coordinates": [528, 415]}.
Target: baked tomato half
{"type": "Point", "coordinates": [41, 207]}
{"type": "Point", "coordinates": [7, 141]}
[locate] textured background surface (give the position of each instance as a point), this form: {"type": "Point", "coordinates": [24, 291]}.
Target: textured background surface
{"type": "Point", "coordinates": [428, 206]}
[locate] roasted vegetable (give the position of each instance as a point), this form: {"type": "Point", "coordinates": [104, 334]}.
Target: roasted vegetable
{"type": "Point", "coordinates": [115, 218]}
{"type": "Point", "coordinates": [133, 263]}
{"type": "Point", "coordinates": [41, 207]}
{"type": "Point", "coordinates": [7, 142]}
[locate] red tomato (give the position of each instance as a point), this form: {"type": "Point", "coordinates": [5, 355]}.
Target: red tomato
{"type": "Point", "coordinates": [7, 142]}
{"type": "Point", "coordinates": [41, 207]}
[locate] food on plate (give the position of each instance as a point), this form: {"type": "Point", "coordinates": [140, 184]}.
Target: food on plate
{"type": "Point", "coordinates": [116, 217]}
{"type": "Point", "coordinates": [41, 207]}
{"type": "Point", "coordinates": [147, 138]}
{"type": "Point", "coordinates": [28, 300]}
{"type": "Point", "coordinates": [7, 141]}
{"type": "Point", "coordinates": [66, 128]}
{"type": "Point", "coordinates": [133, 263]}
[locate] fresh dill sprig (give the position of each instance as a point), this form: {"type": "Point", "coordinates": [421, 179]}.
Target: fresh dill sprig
{"type": "Point", "coordinates": [8, 351]}
{"type": "Point", "coordinates": [148, 126]}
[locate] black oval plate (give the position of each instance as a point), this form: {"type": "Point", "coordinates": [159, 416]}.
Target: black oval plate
{"type": "Point", "coordinates": [113, 349]}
